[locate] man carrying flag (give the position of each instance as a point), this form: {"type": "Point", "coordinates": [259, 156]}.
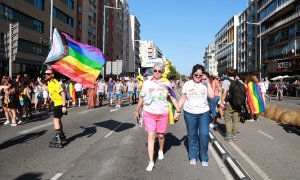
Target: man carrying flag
{"type": "Point", "coordinates": [58, 96]}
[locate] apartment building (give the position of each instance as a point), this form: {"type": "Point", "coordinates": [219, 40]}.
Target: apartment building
{"type": "Point", "coordinates": [226, 45]}
{"type": "Point", "coordinates": [134, 44]}
{"type": "Point", "coordinates": [210, 62]}
{"type": "Point", "coordinates": [148, 50]}
{"type": "Point", "coordinates": [280, 35]}
{"type": "Point", "coordinates": [34, 30]}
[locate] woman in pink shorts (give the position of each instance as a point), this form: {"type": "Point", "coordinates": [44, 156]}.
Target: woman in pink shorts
{"type": "Point", "coordinates": [154, 98]}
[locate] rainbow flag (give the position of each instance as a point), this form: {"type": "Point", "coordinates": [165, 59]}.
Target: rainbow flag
{"type": "Point", "coordinates": [71, 92]}
{"type": "Point", "coordinates": [80, 62]}
{"type": "Point", "coordinates": [21, 99]}
{"type": "Point", "coordinates": [254, 98]}
{"type": "Point", "coordinates": [165, 82]}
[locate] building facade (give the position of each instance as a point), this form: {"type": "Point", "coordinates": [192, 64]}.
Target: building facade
{"type": "Point", "coordinates": [210, 62]}
{"type": "Point", "coordinates": [134, 43]}
{"type": "Point", "coordinates": [226, 45]}
{"type": "Point", "coordinates": [280, 36]}
{"type": "Point", "coordinates": [34, 31]}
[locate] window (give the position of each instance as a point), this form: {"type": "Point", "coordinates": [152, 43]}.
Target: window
{"type": "Point", "coordinates": [37, 25]}
{"type": "Point", "coordinates": [70, 21]}
{"type": "Point", "coordinates": [39, 4]}
{"type": "Point", "coordinates": [6, 12]}
{"type": "Point", "coordinates": [70, 4]}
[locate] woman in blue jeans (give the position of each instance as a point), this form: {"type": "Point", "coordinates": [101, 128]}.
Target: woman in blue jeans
{"type": "Point", "coordinates": [197, 114]}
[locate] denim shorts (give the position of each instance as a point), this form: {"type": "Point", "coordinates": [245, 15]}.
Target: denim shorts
{"type": "Point", "coordinates": [118, 96]}
{"type": "Point", "coordinates": [129, 93]}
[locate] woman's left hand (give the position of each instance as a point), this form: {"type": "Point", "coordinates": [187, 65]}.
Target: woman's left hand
{"type": "Point", "coordinates": [176, 116]}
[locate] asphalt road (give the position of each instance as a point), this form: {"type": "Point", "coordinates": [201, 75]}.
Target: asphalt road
{"type": "Point", "coordinates": [107, 145]}
{"type": "Point", "coordinates": [101, 145]}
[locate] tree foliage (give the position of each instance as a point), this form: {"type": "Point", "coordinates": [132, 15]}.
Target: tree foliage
{"type": "Point", "coordinates": [173, 75]}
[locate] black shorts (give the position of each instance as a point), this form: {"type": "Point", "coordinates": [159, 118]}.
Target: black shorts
{"type": "Point", "coordinates": [78, 94]}
{"type": "Point", "coordinates": [57, 112]}
{"type": "Point", "coordinates": [84, 91]}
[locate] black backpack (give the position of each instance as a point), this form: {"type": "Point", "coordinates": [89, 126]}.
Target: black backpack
{"type": "Point", "coordinates": [236, 95]}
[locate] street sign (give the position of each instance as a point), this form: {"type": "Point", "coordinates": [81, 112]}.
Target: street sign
{"type": "Point", "coordinates": [11, 41]}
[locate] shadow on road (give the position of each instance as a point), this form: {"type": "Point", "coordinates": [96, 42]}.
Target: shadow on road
{"type": "Point", "coordinates": [30, 175]}
{"type": "Point", "coordinates": [87, 131]}
{"type": "Point", "coordinates": [290, 129]}
{"type": "Point", "coordinates": [112, 124]}
{"type": "Point", "coordinates": [170, 141]}
{"type": "Point", "coordinates": [21, 139]}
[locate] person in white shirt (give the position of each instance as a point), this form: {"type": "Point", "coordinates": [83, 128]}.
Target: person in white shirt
{"type": "Point", "coordinates": [100, 91]}
{"type": "Point", "coordinates": [78, 89]}
{"type": "Point", "coordinates": [130, 88]}
{"type": "Point", "coordinates": [118, 88]}
{"type": "Point", "coordinates": [194, 98]}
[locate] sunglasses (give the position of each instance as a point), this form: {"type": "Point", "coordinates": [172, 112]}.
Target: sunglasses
{"type": "Point", "coordinates": [159, 71]}
{"type": "Point", "coordinates": [48, 74]}
{"type": "Point", "coordinates": [198, 75]}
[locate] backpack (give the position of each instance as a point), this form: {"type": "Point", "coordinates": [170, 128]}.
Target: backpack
{"type": "Point", "coordinates": [236, 95]}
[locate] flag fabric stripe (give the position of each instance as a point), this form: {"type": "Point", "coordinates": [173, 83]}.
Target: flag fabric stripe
{"type": "Point", "coordinates": [84, 79]}
{"type": "Point", "coordinates": [86, 50]}
{"type": "Point", "coordinates": [84, 60]}
{"type": "Point", "coordinates": [79, 66]}
{"type": "Point", "coordinates": [254, 98]}
{"type": "Point", "coordinates": [70, 67]}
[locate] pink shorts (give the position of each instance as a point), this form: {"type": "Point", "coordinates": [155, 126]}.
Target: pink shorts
{"type": "Point", "coordinates": [156, 122]}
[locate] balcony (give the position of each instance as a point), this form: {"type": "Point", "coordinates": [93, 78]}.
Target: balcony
{"type": "Point", "coordinates": [280, 23]}
{"type": "Point", "coordinates": [277, 10]}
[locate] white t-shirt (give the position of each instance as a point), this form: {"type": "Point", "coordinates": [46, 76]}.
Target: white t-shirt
{"type": "Point", "coordinates": [196, 97]}
{"type": "Point", "coordinates": [155, 98]}
{"type": "Point", "coordinates": [101, 87]}
{"type": "Point", "coordinates": [78, 87]}
{"type": "Point", "coordinates": [263, 87]}
{"type": "Point", "coordinates": [119, 87]}
{"type": "Point", "coordinates": [130, 86]}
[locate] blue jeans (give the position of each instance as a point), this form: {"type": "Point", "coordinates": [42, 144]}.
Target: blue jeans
{"type": "Point", "coordinates": [197, 126]}
{"type": "Point", "coordinates": [212, 105]}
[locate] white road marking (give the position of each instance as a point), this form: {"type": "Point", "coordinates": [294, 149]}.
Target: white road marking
{"type": "Point", "coordinates": [221, 164]}
{"type": "Point", "coordinates": [235, 168]}
{"type": "Point", "coordinates": [111, 132]}
{"type": "Point", "coordinates": [56, 176]}
{"type": "Point", "coordinates": [263, 133]}
{"type": "Point", "coordinates": [252, 163]}
{"type": "Point", "coordinates": [35, 128]}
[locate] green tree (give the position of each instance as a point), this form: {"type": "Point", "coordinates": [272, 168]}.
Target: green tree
{"type": "Point", "coordinates": [173, 73]}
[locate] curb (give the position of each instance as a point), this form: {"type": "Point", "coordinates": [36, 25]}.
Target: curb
{"type": "Point", "coordinates": [231, 163]}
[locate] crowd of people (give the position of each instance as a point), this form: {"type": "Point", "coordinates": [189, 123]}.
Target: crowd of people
{"type": "Point", "coordinates": [204, 98]}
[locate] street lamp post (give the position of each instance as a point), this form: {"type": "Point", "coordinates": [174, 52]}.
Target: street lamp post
{"type": "Point", "coordinates": [104, 32]}
{"type": "Point", "coordinates": [258, 24]}
{"type": "Point", "coordinates": [137, 40]}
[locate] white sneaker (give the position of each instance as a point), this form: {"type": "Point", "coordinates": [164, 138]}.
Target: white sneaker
{"type": "Point", "coordinates": [6, 122]}
{"type": "Point", "coordinates": [160, 155]}
{"type": "Point", "coordinates": [13, 124]}
{"type": "Point", "coordinates": [150, 166]}
{"type": "Point", "coordinates": [251, 120]}
{"type": "Point", "coordinates": [211, 125]}
{"type": "Point", "coordinates": [19, 122]}
{"type": "Point", "coordinates": [204, 164]}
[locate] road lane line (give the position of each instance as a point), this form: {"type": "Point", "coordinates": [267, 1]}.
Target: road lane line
{"type": "Point", "coordinates": [111, 132]}
{"type": "Point", "coordinates": [56, 176]}
{"type": "Point", "coordinates": [252, 163]}
{"type": "Point", "coordinates": [35, 128]}
{"type": "Point", "coordinates": [221, 164]}
{"type": "Point", "coordinates": [263, 133]}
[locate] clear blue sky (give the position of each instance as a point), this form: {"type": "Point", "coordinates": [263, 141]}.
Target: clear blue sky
{"type": "Point", "coordinates": [182, 29]}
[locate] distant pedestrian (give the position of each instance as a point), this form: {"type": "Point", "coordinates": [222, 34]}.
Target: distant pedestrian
{"type": "Point", "coordinates": [279, 87]}
{"type": "Point", "coordinates": [118, 89]}
{"type": "Point", "coordinates": [92, 96]}
{"type": "Point", "coordinates": [154, 98]}
{"type": "Point", "coordinates": [101, 91]}
{"type": "Point", "coordinates": [214, 81]}
{"type": "Point", "coordinates": [78, 88]}
{"type": "Point", "coordinates": [194, 98]}
{"type": "Point", "coordinates": [109, 90]}
{"type": "Point", "coordinates": [130, 86]}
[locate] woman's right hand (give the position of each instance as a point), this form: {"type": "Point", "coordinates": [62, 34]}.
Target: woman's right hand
{"type": "Point", "coordinates": [136, 115]}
